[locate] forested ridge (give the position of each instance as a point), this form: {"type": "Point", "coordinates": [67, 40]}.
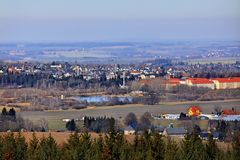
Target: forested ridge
{"type": "Point", "coordinates": [113, 146]}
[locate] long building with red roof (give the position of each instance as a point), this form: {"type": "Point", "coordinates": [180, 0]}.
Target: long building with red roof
{"type": "Point", "coordinates": [225, 83]}
{"type": "Point", "coordinates": [200, 82]}
{"type": "Point", "coordinates": [216, 83]}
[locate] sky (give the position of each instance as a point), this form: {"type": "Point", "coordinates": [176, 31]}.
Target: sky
{"type": "Point", "coordinates": [118, 20]}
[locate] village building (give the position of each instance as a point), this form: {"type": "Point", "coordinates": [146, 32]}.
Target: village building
{"type": "Point", "coordinates": [230, 112]}
{"type": "Point", "coordinates": [200, 82]}
{"type": "Point", "coordinates": [172, 82]}
{"type": "Point", "coordinates": [175, 132]}
{"type": "Point", "coordinates": [135, 73]}
{"type": "Point", "coordinates": [129, 131]}
{"type": "Point", "coordinates": [227, 83]}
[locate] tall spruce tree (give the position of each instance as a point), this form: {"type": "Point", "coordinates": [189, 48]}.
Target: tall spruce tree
{"type": "Point", "coordinates": [192, 148]}
{"type": "Point", "coordinates": [236, 146]}
{"type": "Point", "coordinates": [171, 151]}
{"type": "Point", "coordinates": [21, 147]}
{"type": "Point", "coordinates": [157, 147]}
{"type": "Point", "coordinates": [33, 148]}
{"type": "Point", "coordinates": [48, 149]}
{"type": "Point", "coordinates": [211, 148]}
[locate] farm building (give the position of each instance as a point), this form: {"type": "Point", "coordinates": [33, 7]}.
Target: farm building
{"type": "Point", "coordinates": [175, 132]}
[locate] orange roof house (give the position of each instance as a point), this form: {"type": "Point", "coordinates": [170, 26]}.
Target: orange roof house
{"type": "Point", "coordinates": [230, 112]}
{"type": "Point", "coordinates": [194, 111]}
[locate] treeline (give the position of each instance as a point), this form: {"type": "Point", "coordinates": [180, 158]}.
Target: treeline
{"type": "Point", "coordinates": [10, 122]}
{"type": "Point", "coordinates": [114, 146]}
{"type": "Point", "coordinates": [99, 124]}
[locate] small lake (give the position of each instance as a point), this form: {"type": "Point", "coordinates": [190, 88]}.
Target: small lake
{"type": "Point", "coordinates": [100, 99]}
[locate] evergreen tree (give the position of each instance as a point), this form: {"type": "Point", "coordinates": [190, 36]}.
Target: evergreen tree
{"type": "Point", "coordinates": [96, 148]}
{"type": "Point", "coordinates": [9, 147]}
{"type": "Point", "coordinates": [1, 147]}
{"type": "Point", "coordinates": [158, 147]}
{"type": "Point", "coordinates": [48, 149]}
{"type": "Point", "coordinates": [33, 148]}
{"type": "Point", "coordinates": [131, 120]}
{"type": "Point", "coordinates": [171, 151]}
{"type": "Point", "coordinates": [86, 144]}
{"type": "Point", "coordinates": [4, 111]}
{"type": "Point", "coordinates": [192, 148]}
{"type": "Point", "coordinates": [107, 155]}
{"type": "Point", "coordinates": [71, 126]}
{"type": "Point", "coordinates": [72, 148]}
{"type": "Point", "coordinates": [21, 147]}
{"type": "Point", "coordinates": [236, 146]}
{"type": "Point", "coordinates": [12, 112]}
{"type": "Point", "coordinates": [211, 148]}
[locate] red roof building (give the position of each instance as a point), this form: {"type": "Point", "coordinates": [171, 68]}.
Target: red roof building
{"type": "Point", "coordinates": [200, 82]}
{"type": "Point", "coordinates": [230, 112]}
{"type": "Point", "coordinates": [134, 72]}
{"type": "Point", "coordinates": [173, 81]}
{"type": "Point", "coordinates": [225, 83]}
{"type": "Point", "coordinates": [194, 111]}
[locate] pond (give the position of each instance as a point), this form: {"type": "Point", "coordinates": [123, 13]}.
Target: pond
{"type": "Point", "coordinates": [100, 99]}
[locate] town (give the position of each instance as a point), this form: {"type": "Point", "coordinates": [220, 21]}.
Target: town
{"type": "Point", "coordinates": [120, 80]}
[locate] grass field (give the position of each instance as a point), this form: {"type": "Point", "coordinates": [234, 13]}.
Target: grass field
{"type": "Point", "coordinates": [54, 118]}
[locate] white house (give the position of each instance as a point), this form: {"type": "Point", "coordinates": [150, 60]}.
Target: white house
{"type": "Point", "coordinates": [129, 131]}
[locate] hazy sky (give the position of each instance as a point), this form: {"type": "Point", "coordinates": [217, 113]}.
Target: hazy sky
{"type": "Point", "coordinates": [118, 20]}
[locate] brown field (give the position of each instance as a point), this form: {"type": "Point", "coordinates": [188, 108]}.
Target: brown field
{"type": "Point", "coordinates": [23, 104]}
{"type": "Point", "coordinates": [62, 137]}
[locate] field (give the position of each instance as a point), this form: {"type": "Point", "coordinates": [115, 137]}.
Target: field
{"type": "Point", "coordinates": [55, 122]}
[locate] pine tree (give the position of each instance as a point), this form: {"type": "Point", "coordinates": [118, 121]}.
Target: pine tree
{"type": "Point", "coordinates": [236, 146]}
{"type": "Point", "coordinates": [1, 147]}
{"type": "Point", "coordinates": [4, 111]}
{"type": "Point", "coordinates": [71, 126]}
{"type": "Point", "coordinates": [9, 147]}
{"type": "Point", "coordinates": [86, 144]}
{"type": "Point", "coordinates": [21, 147]}
{"type": "Point", "coordinates": [211, 148]}
{"type": "Point", "coordinates": [157, 147]}
{"type": "Point", "coordinates": [48, 149]}
{"type": "Point", "coordinates": [96, 148]}
{"type": "Point", "coordinates": [107, 155]}
{"type": "Point", "coordinates": [171, 151]}
{"type": "Point", "coordinates": [192, 148]}
{"type": "Point", "coordinates": [12, 113]}
{"type": "Point", "coordinates": [33, 148]}
{"type": "Point", "coordinates": [72, 149]}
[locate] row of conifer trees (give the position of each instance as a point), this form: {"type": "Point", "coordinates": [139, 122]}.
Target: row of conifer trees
{"type": "Point", "coordinates": [114, 146]}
